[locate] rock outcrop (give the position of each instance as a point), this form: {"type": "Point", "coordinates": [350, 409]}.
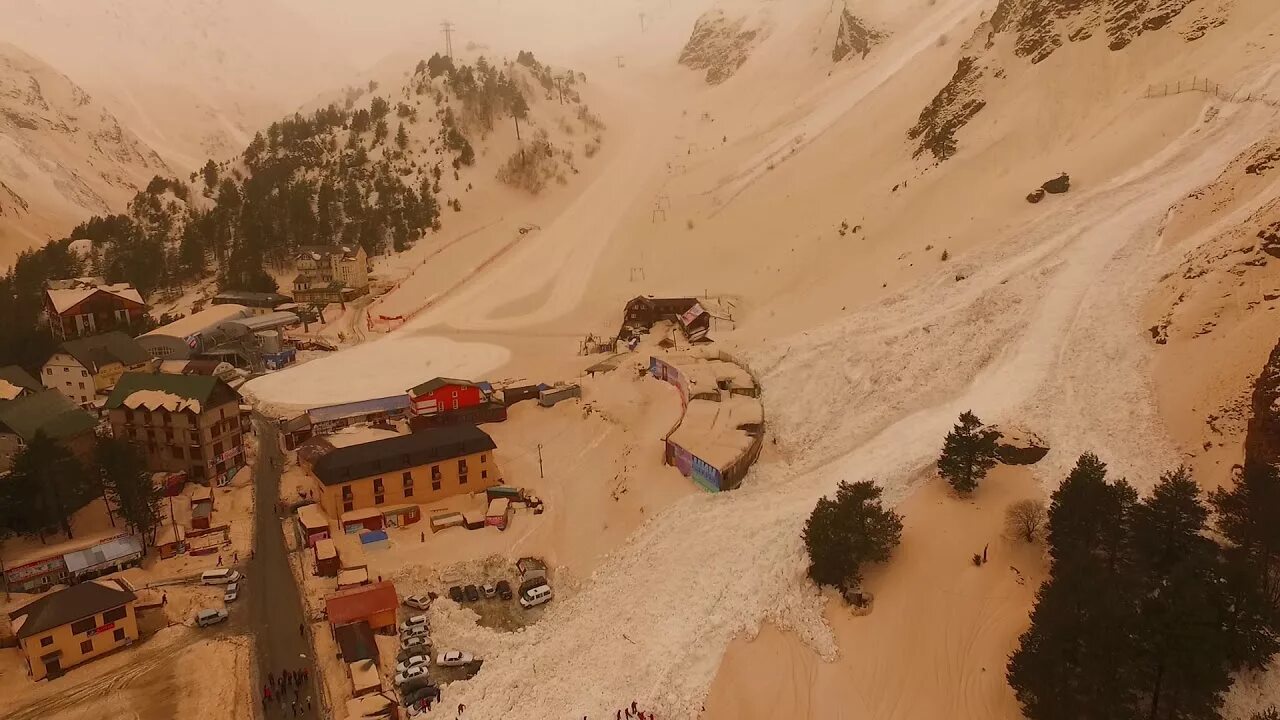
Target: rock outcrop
{"type": "Point", "coordinates": [853, 37]}
{"type": "Point", "coordinates": [1035, 196]}
{"type": "Point", "coordinates": [951, 109]}
{"type": "Point", "coordinates": [1058, 185]}
{"type": "Point", "coordinates": [1262, 439]}
{"type": "Point", "coordinates": [1037, 28]}
{"type": "Point", "coordinates": [719, 45]}
{"type": "Point", "coordinates": [1017, 446]}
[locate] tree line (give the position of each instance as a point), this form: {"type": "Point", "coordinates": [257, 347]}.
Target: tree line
{"type": "Point", "coordinates": [1152, 603]}
{"type": "Point", "coordinates": [47, 485]}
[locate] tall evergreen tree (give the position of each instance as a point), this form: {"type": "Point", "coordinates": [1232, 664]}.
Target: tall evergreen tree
{"type": "Point", "coordinates": [402, 137]}
{"type": "Point", "coordinates": [129, 487]}
{"type": "Point", "coordinates": [49, 485]}
{"type": "Point", "coordinates": [968, 453]}
{"type": "Point", "coordinates": [1077, 659]}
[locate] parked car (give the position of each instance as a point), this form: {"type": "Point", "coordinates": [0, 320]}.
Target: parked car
{"type": "Point", "coordinates": [489, 590]}
{"type": "Point", "coordinates": [418, 602]}
{"type": "Point", "coordinates": [417, 671]}
{"type": "Point", "coordinates": [222, 576]}
{"type": "Point", "coordinates": [414, 684]}
{"type": "Point", "coordinates": [210, 616]}
{"type": "Point", "coordinates": [535, 596]}
{"type": "Point", "coordinates": [453, 658]}
{"type": "Point", "coordinates": [417, 637]}
{"type": "Point", "coordinates": [504, 589]}
{"type": "Point", "coordinates": [472, 592]}
{"type": "Point", "coordinates": [412, 661]}
{"type": "Point", "coordinates": [421, 694]}
{"type": "Point", "coordinates": [414, 624]}
{"type": "Point", "coordinates": [418, 647]}
{"type": "Point", "coordinates": [455, 594]}
{"type": "Point", "coordinates": [233, 592]}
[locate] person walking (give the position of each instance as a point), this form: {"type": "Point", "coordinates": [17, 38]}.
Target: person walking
{"type": "Point", "coordinates": [301, 629]}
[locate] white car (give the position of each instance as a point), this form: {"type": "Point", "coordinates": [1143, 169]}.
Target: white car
{"type": "Point", "coordinates": [418, 602]}
{"type": "Point", "coordinates": [418, 636]}
{"type": "Point", "coordinates": [233, 592]}
{"type": "Point", "coordinates": [210, 616]}
{"type": "Point", "coordinates": [453, 658]}
{"type": "Point", "coordinates": [489, 590]}
{"type": "Point", "coordinates": [414, 625]}
{"type": "Point", "coordinates": [224, 576]}
{"type": "Point", "coordinates": [415, 645]}
{"type": "Point", "coordinates": [412, 662]}
{"type": "Point", "coordinates": [408, 674]}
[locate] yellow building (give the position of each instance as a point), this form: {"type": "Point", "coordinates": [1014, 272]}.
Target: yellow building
{"type": "Point", "coordinates": [67, 627]}
{"type": "Point", "coordinates": [419, 468]}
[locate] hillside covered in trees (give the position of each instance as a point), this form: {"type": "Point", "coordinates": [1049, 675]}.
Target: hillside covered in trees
{"type": "Point", "coordinates": [381, 168]}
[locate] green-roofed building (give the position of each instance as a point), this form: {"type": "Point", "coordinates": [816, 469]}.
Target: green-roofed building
{"type": "Point", "coordinates": [182, 423]}
{"type": "Point", "coordinates": [49, 412]}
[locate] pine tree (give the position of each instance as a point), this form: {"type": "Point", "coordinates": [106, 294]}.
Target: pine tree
{"type": "Point", "coordinates": [968, 453]}
{"type": "Point", "coordinates": [379, 131]}
{"type": "Point", "coordinates": [1077, 659]}
{"type": "Point", "coordinates": [1246, 516]}
{"type": "Point", "coordinates": [402, 137]}
{"type": "Point", "coordinates": [129, 487]}
{"type": "Point", "coordinates": [49, 484]}
{"type": "Point", "coordinates": [844, 533]}
{"type": "Point", "coordinates": [1184, 653]}
{"type": "Point", "coordinates": [210, 172]}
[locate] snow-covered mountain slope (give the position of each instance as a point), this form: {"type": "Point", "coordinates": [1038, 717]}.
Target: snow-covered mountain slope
{"type": "Point", "coordinates": [63, 154]}
{"type": "Point", "coordinates": [193, 79]}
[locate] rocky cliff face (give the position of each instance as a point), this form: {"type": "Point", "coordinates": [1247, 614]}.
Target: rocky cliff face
{"type": "Point", "coordinates": [719, 45]}
{"type": "Point", "coordinates": [854, 37]}
{"type": "Point", "coordinates": [1037, 28]}
{"type": "Point", "coordinates": [62, 155]}
{"type": "Point", "coordinates": [1262, 441]}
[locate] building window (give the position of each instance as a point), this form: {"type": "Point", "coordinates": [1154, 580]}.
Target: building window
{"type": "Point", "coordinates": [346, 492]}
{"type": "Point", "coordinates": [81, 386]}
{"type": "Point", "coordinates": [48, 371]}
{"type": "Point", "coordinates": [86, 647]}
{"type": "Point", "coordinates": [128, 416]}
{"type": "Point", "coordinates": [119, 634]}
{"type": "Point", "coordinates": [168, 434]}
{"type": "Point", "coordinates": [482, 458]}
{"type": "Point", "coordinates": [377, 485]}
{"type": "Point", "coordinates": [83, 626]}
{"type": "Point", "coordinates": [462, 479]}
{"type": "Point", "coordinates": [217, 449]}
{"type": "Point", "coordinates": [65, 370]}
{"type": "Point", "coordinates": [435, 483]}
{"type": "Point", "coordinates": [46, 641]}
{"type": "Point", "coordinates": [177, 452]}
{"type": "Point", "coordinates": [84, 373]}
{"type": "Point", "coordinates": [348, 506]}
{"type": "Point", "coordinates": [111, 616]}
{"type": "Point", "coordinates": [484, 474]}
{"type": "Point", "coordinates": [216, 430]}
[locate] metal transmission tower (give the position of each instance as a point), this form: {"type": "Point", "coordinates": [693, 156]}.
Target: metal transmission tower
{"type": "Point", "coordinates": [448, 38]}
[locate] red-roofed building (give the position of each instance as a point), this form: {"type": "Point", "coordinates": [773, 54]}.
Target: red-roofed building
{"type": "Point", "coordinates": [375, 604]}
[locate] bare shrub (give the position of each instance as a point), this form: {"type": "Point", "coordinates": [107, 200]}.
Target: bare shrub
{"type": "Point", "coordinates": [1026, 519]}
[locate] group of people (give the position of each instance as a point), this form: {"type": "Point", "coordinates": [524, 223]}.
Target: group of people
{"type": "Point", "coordinates": [278, 687]}
{"type": "Point", "coordinates": [633, 712]}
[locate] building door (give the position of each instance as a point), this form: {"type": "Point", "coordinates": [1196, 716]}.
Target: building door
{"type": "Point", "coordinates": [52, 667]}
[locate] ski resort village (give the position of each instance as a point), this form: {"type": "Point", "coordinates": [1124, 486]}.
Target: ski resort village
{"type": "Point", "coordinates": [640, 360]}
